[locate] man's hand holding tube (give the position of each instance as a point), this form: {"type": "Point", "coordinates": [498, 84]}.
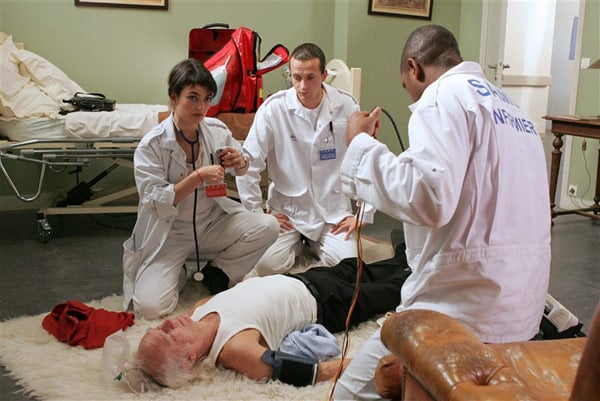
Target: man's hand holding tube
{"type": "Point", "coordinates": [363, 122]}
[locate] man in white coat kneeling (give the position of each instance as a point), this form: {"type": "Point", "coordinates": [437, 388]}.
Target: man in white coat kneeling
{"type": "Point", "coordinates": [298, 134]}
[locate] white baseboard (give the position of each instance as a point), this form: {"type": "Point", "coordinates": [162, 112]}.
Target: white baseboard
{"type": "Point", "coordinates": [567, 203]}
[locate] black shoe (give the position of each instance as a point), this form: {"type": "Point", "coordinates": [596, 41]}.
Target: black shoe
{"type": "Point", "coordinates": [397, 240]}
{"type": "Point", "coordinates": [397, 237]}
{"type": "Point", "coordinates": [215, 279]}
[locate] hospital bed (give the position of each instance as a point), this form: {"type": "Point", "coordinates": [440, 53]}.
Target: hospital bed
{"type": "Point", "coordinates": [39, 153]}
{"type": "Point", "coordinates": [36, 141]}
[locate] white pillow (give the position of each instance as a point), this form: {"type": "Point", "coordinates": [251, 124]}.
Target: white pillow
{"type": "Point", "coordinates": [28, 102]}
{"type": "Point", "coordinates": [48, 77]}
{"type": "Point", "coordinates": [10, 79]}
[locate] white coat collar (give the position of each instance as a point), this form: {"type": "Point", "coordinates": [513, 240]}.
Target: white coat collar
{"type": "Point", "coordinates": [333, 101]}
{"type": "Point", "coordinates": [169, 139]}
{"type": "Point", "coordinates": [466, 67]}
{"type": "Point", "coordinates": [166, 133]}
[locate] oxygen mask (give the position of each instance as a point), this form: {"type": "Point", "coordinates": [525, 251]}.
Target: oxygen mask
{"type": "Point", "coordinates": [117, 367]}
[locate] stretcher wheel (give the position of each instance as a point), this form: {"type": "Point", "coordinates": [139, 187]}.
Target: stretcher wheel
{"type": "Point", "coordinates": [44, 230]}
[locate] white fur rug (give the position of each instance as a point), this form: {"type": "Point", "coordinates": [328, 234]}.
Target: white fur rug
{"type": "Point", "coordinates": [50, 370]}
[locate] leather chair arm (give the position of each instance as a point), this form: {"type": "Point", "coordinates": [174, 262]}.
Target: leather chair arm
{"type": "Point", "coordinates": [449, 360]}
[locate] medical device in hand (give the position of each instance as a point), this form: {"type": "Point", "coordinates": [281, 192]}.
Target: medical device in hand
{"type": "Point", "coordinates": [217, 156]}
{"type": "Point", "coordinates": [219, 189]}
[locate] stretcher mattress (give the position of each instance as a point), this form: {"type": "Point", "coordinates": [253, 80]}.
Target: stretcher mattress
{"type": "Point", "coordinates": [32, 92]}
{"type": "Point", "coordinates": [126, 121]}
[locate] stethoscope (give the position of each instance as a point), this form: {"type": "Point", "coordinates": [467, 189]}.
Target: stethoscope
{"type": "Point", "coordinates": [198, 276]}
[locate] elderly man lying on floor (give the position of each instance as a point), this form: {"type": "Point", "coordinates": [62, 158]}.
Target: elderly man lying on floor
{"type": "Point", "coordinates": [243, 327]}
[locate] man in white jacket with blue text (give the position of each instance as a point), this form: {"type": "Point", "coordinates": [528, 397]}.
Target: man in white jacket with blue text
{"type": "Point", "coordinates": [472, 191]}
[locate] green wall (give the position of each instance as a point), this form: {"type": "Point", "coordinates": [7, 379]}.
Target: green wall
{"type": "Point", "coordinates": [127, 53]}
{"type": "Point", "coordinates": [375, 43]}
{"type": "Point", "coordinates": [583, 163]}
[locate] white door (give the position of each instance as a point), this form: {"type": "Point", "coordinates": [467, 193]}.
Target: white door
{"type": "Point", "coordinates": [565, 80]}
{"type": "Point", "coordinates": [531, 49]}
{"type": "Point", "coordinates": [516, 51]}
{"type": "Point", "coordinates": [492, 40]}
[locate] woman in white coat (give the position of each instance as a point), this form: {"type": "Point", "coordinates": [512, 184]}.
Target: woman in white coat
{"type": "Point", "coordinates": [183, 208]}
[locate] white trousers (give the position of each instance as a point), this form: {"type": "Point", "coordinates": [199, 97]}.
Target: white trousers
{"type": "Point", "coordinates": [330, 249]}
{"type": "Point", "coordinates": [358, 380]}
{"type": "Point", "coordinates": [232, 242]}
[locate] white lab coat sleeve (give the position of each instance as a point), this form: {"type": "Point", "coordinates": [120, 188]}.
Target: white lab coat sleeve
{"type": "Point", "coordinates": [422, 185]}
{"type": "Point", "coordinates": [151, 179]}
{"type": "Point", "coordinates": [234, 143]}
{"type": "Point", "coordinates": [255, 148]}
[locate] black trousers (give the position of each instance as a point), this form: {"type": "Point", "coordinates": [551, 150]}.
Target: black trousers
{"type": "Point", "coordinates": [334, 287]}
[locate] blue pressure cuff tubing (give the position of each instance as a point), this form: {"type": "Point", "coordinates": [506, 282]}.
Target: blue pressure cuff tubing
{"type": "Point", "coordinates": [291, 369]}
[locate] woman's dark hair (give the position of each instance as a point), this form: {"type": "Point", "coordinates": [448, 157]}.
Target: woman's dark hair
{"type": "Point", "coordinates": [191, 72]}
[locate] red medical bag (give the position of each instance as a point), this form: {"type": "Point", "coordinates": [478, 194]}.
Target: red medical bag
{"type": "Point", "coordinates": [238, 70]}
{"type": "Point", "coordinates": [206, 41]}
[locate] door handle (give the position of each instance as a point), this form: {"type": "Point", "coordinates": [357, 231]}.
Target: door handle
{"type": "Point", "coordinates": [493, 66]}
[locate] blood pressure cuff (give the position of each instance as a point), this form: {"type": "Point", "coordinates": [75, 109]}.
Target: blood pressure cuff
{"type": "Point", "coordinates": [291, 369]}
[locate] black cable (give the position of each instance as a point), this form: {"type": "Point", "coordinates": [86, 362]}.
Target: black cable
{"type": "Point", "coordinates": [395, 128]}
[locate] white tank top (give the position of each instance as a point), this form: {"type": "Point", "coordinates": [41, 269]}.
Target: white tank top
{"type": "Point", "coordinates": [274, 305]}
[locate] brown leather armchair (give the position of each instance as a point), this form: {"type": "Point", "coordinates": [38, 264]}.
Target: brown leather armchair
{"type": "Point", "coordinates": [437, 358]}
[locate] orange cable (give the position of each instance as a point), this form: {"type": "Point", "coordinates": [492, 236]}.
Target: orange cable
{"type": "Point", "coordinates": [346, 338]}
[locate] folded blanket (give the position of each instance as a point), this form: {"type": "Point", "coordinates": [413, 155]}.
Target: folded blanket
{"type": "Point", "coordinates": [78, 324]}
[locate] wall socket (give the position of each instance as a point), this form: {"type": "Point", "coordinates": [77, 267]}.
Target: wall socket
{"type": "Point", "coordinates": [572, 190]}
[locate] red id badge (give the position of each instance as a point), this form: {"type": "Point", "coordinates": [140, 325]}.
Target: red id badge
{"type": "Point", "coordinates": [215, 190]}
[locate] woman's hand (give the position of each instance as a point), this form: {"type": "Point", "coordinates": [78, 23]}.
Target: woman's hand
{"type": "Point", "coordinates": [203, 175]}
{"type": "Point", "coordinates": [231, 157]}
{"type": "Point", "coordinates": [211, 174]}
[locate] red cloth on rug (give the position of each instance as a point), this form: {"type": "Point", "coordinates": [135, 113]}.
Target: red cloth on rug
{"type": "Point", "coordinates": [78, 324]}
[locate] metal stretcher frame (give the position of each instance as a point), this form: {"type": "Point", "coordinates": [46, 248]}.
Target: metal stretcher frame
{"type": "Point", "coordinates": [56, 156]}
